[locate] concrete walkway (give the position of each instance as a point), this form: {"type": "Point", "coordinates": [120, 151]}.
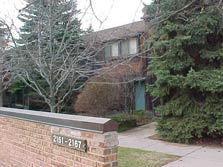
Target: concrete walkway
{"type": "Point", "coordinates": [192, 156]}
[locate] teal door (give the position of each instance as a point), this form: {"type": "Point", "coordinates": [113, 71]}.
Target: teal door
{"type": "Point", "coordinates": [140, 95]}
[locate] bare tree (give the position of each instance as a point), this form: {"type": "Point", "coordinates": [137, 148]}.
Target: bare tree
{"type": "Point", "coordinates": [50, 56]}
{"type": "Point", "coordinates": [5, 76]}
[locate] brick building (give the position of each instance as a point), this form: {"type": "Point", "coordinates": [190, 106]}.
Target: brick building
{"type": "Point", "coordinates": [121, 57]}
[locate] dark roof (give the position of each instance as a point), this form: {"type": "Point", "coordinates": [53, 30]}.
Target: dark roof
{"type": "Point", "coordinates": [116, 33]}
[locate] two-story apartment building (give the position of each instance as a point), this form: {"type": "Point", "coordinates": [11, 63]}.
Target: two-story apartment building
{"type": "Point", "coordinates": [120, 54]}
{"type": "Point", "coordinates": [118, 42]}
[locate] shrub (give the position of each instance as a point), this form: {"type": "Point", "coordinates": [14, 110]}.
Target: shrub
{"type": "Point", "coordinates": [191, 121]}
{"type": "Point", "coordinates": [100, 99]}
{"type": "Point", "coordinates": [110, 91]}
{"type": "Point", "coordinates": [125, 121]}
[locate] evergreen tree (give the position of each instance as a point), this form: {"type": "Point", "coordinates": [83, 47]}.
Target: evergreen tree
{"type": "Point", "coordinates": [50, 58]}
{"type": "Point", "coordinates": [5, 77]}
{"type": "Point", "coordinates": [186, 61]}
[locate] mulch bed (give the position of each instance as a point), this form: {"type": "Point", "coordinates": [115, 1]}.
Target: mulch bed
{"type": "Point", "coordinates": [210, 141]}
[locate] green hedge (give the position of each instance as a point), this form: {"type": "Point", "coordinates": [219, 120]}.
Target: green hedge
{"type": "Point", "coordinates": [184, 120]}
{"type": "Point", "coordinates": [127, 121]}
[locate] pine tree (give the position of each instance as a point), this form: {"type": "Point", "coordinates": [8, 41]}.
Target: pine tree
{"type": "Point", "coordinates": [41, 17]}
{"type": "Point", "coordinates": [186, 61]}
{"type": "Point", "coordinates": [50, 58]}
{"type": "Point", "coordinates": [5, 77]}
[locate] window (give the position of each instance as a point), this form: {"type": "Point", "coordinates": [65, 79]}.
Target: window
{"type": "Point", "coordinates": [133, 46]}
{"type": "Point", "coordinates": [128, 47]}
{"type": "Point", "coordinates": [124, 51]}
{"type": "Point", "coordinates": [112, 50]}
{"type": "Point", "coordinates": [115, 51]}
{"type": "Point", "coordinates": [107, 51]}
{"type": "Point", "coordinates": [123, 48]}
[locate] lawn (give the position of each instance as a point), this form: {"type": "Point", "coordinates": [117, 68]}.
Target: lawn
{"type": "Point", "coordinates": [129, 157]}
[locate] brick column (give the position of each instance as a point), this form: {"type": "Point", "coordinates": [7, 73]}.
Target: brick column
{"type": "Point", "coordinates": [26, 140]}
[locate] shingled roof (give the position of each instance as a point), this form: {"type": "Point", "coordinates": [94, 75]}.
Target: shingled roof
{"type": "Point", "coordinates": [117, 33]}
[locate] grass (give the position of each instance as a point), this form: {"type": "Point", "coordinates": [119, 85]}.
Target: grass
{"type": "Point", "coordinates": [129, 157]}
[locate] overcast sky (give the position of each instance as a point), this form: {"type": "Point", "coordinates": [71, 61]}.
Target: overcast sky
{"type": "Point", "coordinates": [111, 12]}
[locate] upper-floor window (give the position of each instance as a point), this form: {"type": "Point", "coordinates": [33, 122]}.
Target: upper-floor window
{"type": "Point", "coordinates": [115, 51]}
{"type": "Point", "coordinates": [122, 48]}
{"type": "Point", "coordinates": [112, 50]}
{"type": "Point", "coordinates": [133, 46]}
{"type": "Point", "coordinates": [108, 51]}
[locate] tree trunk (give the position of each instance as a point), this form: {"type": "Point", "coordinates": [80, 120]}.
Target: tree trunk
{"type": "Point", "coordinates": [52, 105]}
{"type": "Point", "coordinates": [1, 99]}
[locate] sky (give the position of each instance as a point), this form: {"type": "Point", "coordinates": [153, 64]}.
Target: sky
{"type": "Point", "coordinates": [111, 12]}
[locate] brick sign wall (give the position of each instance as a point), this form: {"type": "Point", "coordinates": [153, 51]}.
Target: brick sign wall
{"type": "Point", "coordinates": [48, 140]}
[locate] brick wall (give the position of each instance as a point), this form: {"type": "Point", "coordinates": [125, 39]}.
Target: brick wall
{"type": "Point", "coordinates": [29, 144]}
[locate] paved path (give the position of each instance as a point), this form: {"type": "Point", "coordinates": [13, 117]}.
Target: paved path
{"type": "Point", "coordinates": [192, 156]}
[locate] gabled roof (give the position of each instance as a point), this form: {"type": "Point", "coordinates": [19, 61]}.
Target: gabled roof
{"type": "Point", "coordinates": [117, 33]}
